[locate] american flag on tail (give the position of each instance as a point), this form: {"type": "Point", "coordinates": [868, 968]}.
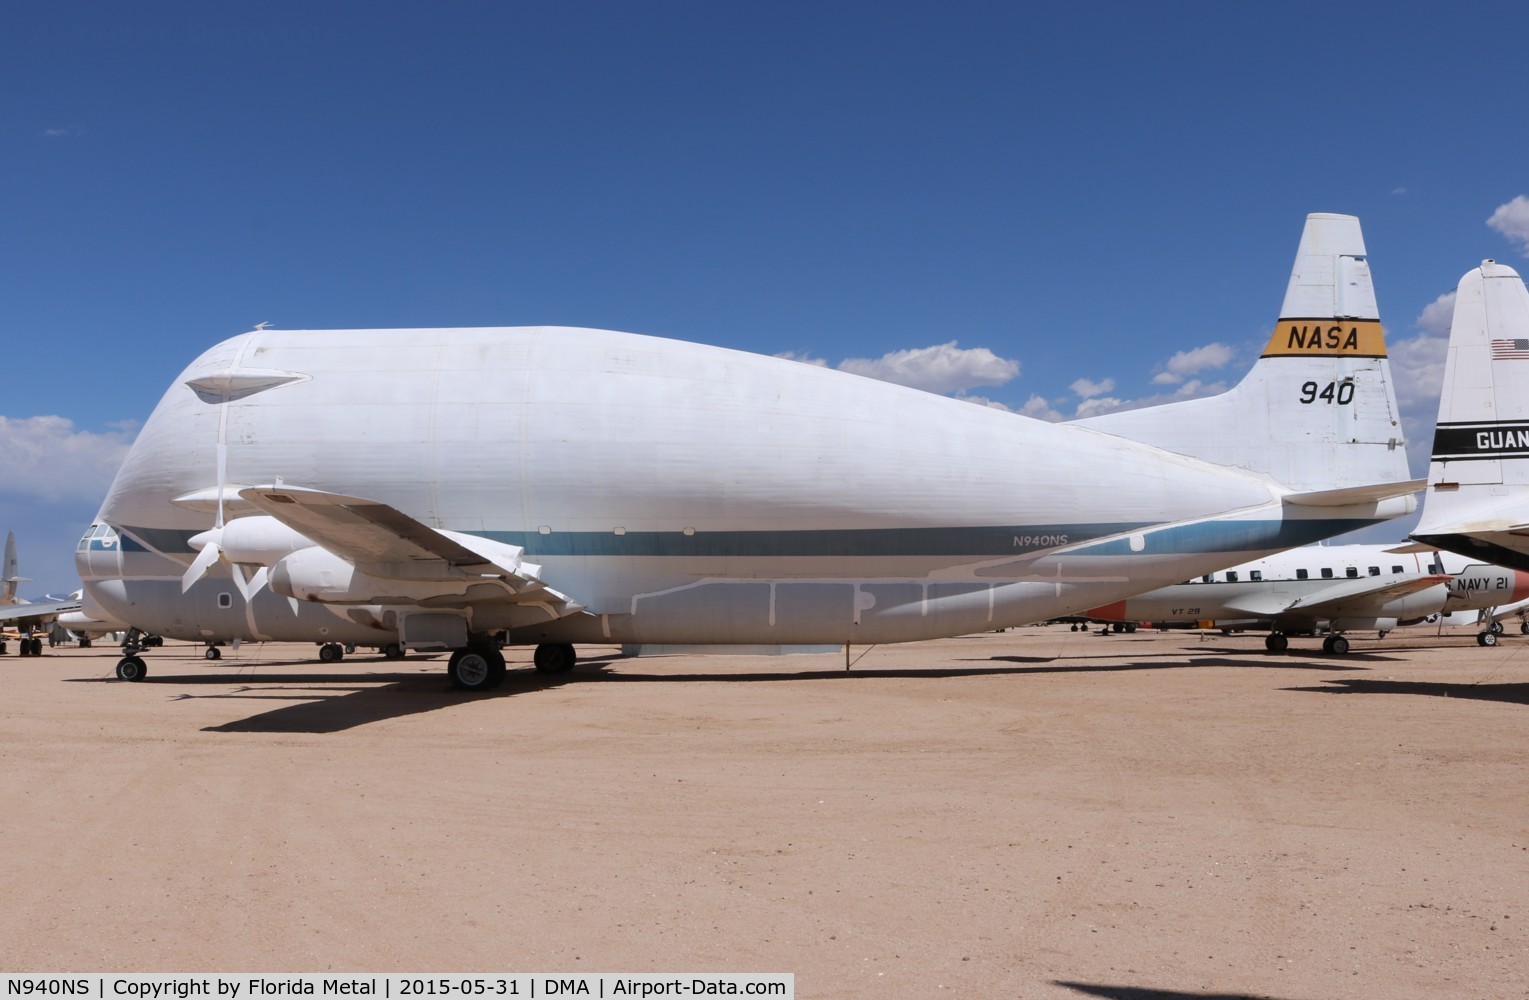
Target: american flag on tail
{"type": "Point", "coordinates": [1507, 350]}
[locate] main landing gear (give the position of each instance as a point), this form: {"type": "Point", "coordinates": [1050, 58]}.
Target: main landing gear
{"type": "Point", "coordinates": [476, 668]}
{"type": "Point", "coordinates": [481, 667]}
{"type": "Point", "coordinates": [1276, 642]}
{"type": "Point", "coordinates": [554, 658]}
{"type": "Point", "coordinates": [1335, 644]}
{"type": "Point", "coordinates": [331, 652]}
{"type": "Point", "coordinates": [25, 647]}
{"type": "Point", "coordinates": [1488, 637]}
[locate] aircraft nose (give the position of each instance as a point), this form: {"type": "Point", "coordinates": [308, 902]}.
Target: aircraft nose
{"type": "Point", "coordinates": [106, 600]}
{"type": "Point", "coordinates": [99, 554]}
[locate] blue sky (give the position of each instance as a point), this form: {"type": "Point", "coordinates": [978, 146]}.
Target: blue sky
{"type": "Point", "coordinates": [1034, 207]}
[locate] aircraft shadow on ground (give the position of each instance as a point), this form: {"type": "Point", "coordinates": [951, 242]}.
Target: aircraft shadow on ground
{"type": "Point", "coordinates": [1512, 694]}
{"type": "Point", "coordinates": [1209, 658]}
{"type": "Point", "coordinates": [335, 702]}
{"type": "Point", "coordinates": [1146, 993]}
{"type": "Point", "coordinates": [332, 703]}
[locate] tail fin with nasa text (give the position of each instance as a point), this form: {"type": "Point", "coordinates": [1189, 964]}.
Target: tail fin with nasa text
{"type": "Point", "coordinates": [1317, 412]}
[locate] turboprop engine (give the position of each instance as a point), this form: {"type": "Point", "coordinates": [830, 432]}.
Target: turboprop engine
{"type": "Point", "coordinates": [316, 574]}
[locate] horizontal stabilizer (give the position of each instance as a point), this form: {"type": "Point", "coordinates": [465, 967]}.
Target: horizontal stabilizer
{"type": "Point", "coordinates": [1411, 549]}
{"type": "Point", "coordinates": [1354, 495]}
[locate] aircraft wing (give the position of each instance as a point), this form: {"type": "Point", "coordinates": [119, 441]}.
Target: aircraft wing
{"type": "Point", "coordinates": [385, 542]}
{"type": "Point", "coordinates": [1362, 596]}
{"type": "Point", "coordinates": [38, 614]}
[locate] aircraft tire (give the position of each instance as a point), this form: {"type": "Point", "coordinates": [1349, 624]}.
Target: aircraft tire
{"type": "Point", "coordinates": [132, 668]}
{"type": "Point", "coordinates": [331, 652]}
{"type": "Point", "coordinates": [1495, 628]}
{"type": "Point", "coordinates": [36, 645]}
{"type": "Point", "coordinates": [476, 669]}
{"type": "Point", "coordinates": [1486, 638]}
{"type": "Point", "coordinates": [213, 653]}
{"type": "Point", "coordinates": [1340, 645]}
{"type": "Point", "coordinates": [554, 658]}
{"type": "Point", "coordinates": [1523, 629]}
{"type": "Point", "coordinates": [1276, 642]}
{"type": "Point", "coordinates": [2, 649]}
{"type": "Point", "coordinates": [392, 651]}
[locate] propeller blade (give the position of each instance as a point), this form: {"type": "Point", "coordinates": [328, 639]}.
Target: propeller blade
{"type": "Point", "coordinates": [199, 566]}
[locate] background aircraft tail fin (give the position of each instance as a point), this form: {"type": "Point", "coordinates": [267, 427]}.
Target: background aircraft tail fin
{"type": "Point", "coordinates": [10, 580]}
{"type": "Point", "coordinates": [1478, 481]}
{"type": "Point", "coordinates": [1317, 411]}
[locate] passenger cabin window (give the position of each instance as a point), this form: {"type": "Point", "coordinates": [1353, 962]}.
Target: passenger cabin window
{"type": "Point", "coordinates": [1396, 569]}
{"type": "Point", "coordinates": [1327, 572]}
{"type": "Point", "coordinates": [1374, 570]}
{"type": "Point", "coordinates": [1231, 577]}
{"type": "Point", "coordinates": [1300, 574]}
{"type": "Point", "coordinates": [1351, 572]}
{"type": "Point", "coordinates": [1208, 578]}
{"type": "Point", "coordinates": [1256, 575]}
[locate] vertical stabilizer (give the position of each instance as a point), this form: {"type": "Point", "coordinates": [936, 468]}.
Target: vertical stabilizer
{"type": "Point", "coordinates": [1317, 411]}
{"type": "Point", "coordinates": [1478, 482]}
{"type": "Point", "coordinates": [10, 580]}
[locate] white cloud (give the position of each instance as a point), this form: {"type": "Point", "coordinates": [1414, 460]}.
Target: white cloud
{"type": "Point", "coordinates": [64, 132]}
{"type": "Point", "coordinates": [1437, 315]}
{"type": "Point", "coordinates": [991, 404]}
{"type": "Point", "coordinates": [1193, 389]}
{"type": "Point", "coordinates": [943, 368]}
{"type": "Point", "coordinates": [1398, 190]}
{"type": "Point", "coordinates": [1417, 372]}
{"type": "Point", "coordinates": [1512, 220]}
{"type": "Point", "coordinates": [47, 458]}
{"type": "Point", "coordinates": [1097, 405]}
{"type": "Point", "coordinates": [803, 357]}
{"type": "Point", "coordinates": [1040, 408]}
{"type": "Point", "coordinates": [1186, 363]}
{"type": "Point", "coordinates": [1088, 389]}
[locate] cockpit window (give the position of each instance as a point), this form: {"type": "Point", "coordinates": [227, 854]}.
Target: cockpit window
{"type": "Point", "coordinates": [100, 536]}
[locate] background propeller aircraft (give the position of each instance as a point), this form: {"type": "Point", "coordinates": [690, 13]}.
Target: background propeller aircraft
{"type": "Point", "coordinates": [26, 617]}
{"type": "Point", "coordinates": [1331, 589]}
{"type": "Point", "coordinates": [456, 489]}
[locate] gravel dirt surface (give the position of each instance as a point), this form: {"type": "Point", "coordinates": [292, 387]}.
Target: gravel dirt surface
{"type": "Point", "coordinates": [1032, 813]}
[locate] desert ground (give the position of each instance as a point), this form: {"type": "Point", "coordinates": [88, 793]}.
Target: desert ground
{"type": "Point", "coordinates": [1031, 813]}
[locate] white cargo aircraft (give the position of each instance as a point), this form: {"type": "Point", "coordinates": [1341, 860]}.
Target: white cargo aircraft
{"type": "Point", "coordinates": [1331, 589]}
{"type": "Point", "coordinates": [458, 489]}
{"type": "Point", "coordinates": [1477, 502]}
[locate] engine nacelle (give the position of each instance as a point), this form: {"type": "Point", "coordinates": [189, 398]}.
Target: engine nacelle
{"type": "Point", "coordinates": [316, 574]}
{"type": "Point", "coordinates": [257, 540]}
